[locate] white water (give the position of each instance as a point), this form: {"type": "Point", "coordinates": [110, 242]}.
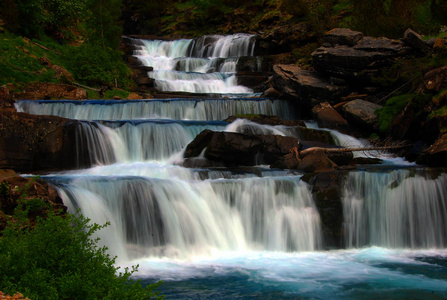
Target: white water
{"type": "Point", "coordinates": [178, 109]}
{"type": "Point", "coordinates": [204, 65]}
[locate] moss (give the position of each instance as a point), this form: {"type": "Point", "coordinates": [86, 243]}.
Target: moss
{"type": "Point", "coordinates": [392, 107]}
{"type": "Point", "coordinates": [439, 112]}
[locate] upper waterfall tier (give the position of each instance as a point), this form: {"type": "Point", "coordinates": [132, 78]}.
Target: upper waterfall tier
{"type": "Point", "coordinates": [203, 65]}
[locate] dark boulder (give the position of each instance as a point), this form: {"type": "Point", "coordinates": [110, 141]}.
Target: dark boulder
{"type": "Point", "coordinates": [342, 36]}
{"type": "Point", "coordinates": [414, 39]}
{"type": "Point", "coordinates": [360, 61]}
{"type": "Point", "coordinates": [436, 79]}
{"type": "Point", "coordinates": [5, 98]}
{"type": "Point", "coordinates": [361, 113]}
{"type": "Point", "coordinates": [304, 87]}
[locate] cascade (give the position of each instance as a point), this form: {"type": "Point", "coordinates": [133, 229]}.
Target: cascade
{"type": "Point", "coordinates": [242, 232]}
{"type": "Point", "coordinates": [204, 65]}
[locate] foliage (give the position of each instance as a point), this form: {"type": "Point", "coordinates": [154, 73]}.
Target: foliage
{"type": "Point", "coordinates": [17, 65]}
{"type": "Point", "coordinates": [58, 259]}
{"type": "Point", "coordinates": [392, 17]}
{"type": "Point", "coordinates": [96, 65]}
{"type": "Point", "coordinates": [112, 93]}
{"type": "Point", "coordinates": [42, 15]}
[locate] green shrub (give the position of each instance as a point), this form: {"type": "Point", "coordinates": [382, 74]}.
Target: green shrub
{"type": "Point", "coordinates": [97, 65]}
{"type": "Point", "coordinates": [58, 259]}
{"type": "Point", "coordinates": [392, 107]}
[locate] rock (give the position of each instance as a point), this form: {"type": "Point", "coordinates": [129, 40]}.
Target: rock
{"type": "Point", "coordinates": [413, 39]}
{"type": "Point", "coordinates": [7, 173]}
{"type": "Point", "coordinates": [342, 36]}
{"type": "Point", "coordinates": [327, 116]}
{"type": "Point", "coordinates": [35, 143]}
{"type": "Point", "coordinates": [436, 154]}
{"type": "Point", "coordinates": [134, 96]}
{"type": "Point", "coordinates": [327, 195]}
{"type": "Point", "coordinates": [253, 80]}
{"type": "Point", "coordinates": [44, 90]}
{"type": "Point", "coordinates": [234, 149]}
{"type": "Point", "coordinates": [436, 80]}
{"type": "Point", "coordinates": [361, 113]}
{"type": "Point", "coordinates": [316, 162]}
{"type": "Point", "coordinates": [5, 98]}
{"type": "Point", "coordinates": [301, 86]}
{"type": "Point", "coordinates": [360, 61]}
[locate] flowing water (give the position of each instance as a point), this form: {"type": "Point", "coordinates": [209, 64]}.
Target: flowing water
{"type": "Point", "coordinates": [242, 233]}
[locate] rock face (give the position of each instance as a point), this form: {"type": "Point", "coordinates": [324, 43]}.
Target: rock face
{"type": "Point", "coordinates": [362, 113]}
{"type": "Point", "coordinates": [341, 36]}
{"type": "Point", "coordinates": [43, 90]}
{"type": "Point", "coordinates": [35, 143]}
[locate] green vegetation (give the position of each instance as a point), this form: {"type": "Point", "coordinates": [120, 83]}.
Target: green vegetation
{"type": "Point", "coordinates": [396, 104]}
{"type": "Point", "coordinates": [58, 258]}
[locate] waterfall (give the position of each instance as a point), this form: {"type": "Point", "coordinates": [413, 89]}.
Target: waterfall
{"type": "Point", "coordinates": [179, 109]}
{"type": "Point", "coordinates": [180, 219]}
{"type": "Point", "coordinates": [203, 65]}
{"type": "Point", "coordinates": [398, 209]}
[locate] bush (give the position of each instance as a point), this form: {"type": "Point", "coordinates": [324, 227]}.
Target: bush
{"type": "Point", "coordinates": [95, 64]}
{"type": "Point", "coordinates": [57, 259]}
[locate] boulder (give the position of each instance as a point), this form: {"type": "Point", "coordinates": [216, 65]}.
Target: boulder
{"type": "Point", "coordinates": [436, 154]}
{"type": "Point", "coordinates": [359, 62]}
{"type": "Point", "coordinates": [45, 90]}
{"type": "Point", "coordinates": [302, 86]}
{"type": "Point", "coordinates": [436, 79]}
{"type": "Point", "coordinates": [327, 116]}
{"type": "Point", "coordinates": [342, 36]}
{"type": "Point", "coordinates": [413, 39]}
{"type": "Point", "coordinates": [316, 162]}
{"type": "Point", "coordinates": [361, 113]}
{"type": "Point", "coordinates": [234, 149]}
{"type": "Point", "coordinates": [35, 143]}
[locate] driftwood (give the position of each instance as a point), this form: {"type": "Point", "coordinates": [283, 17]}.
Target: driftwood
{"type": "Point", "coordinates": [86, 87]}
{"type": "Point", "coordinates": [300, 154]}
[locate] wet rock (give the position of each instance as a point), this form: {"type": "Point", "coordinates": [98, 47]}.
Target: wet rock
{"type": "Point", "coordinates": [302, 86]}
{"type": "Point", "coordinates": [35, 143]}
{"type": "Point", "coordinates": [234, 149]}
{"type": "Point", "coordinates": [436, 154]}
{"type": "Point", "coordinates": [342, 36]}
{"type": "Point", "coordinates": [413, 39]}
{"type": "Point", "coordinates": [328, 195]}
{"type": "Point", "coordinates": [253, 80]}
{"type": "Point", "coordinates": [327, 116]}
{"type": "Point", "coordinates": [45, 90]}
{"type": "Point", "coordinates": [316, 162]}
{"type": "Point", "coordinates": [361, 113]}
